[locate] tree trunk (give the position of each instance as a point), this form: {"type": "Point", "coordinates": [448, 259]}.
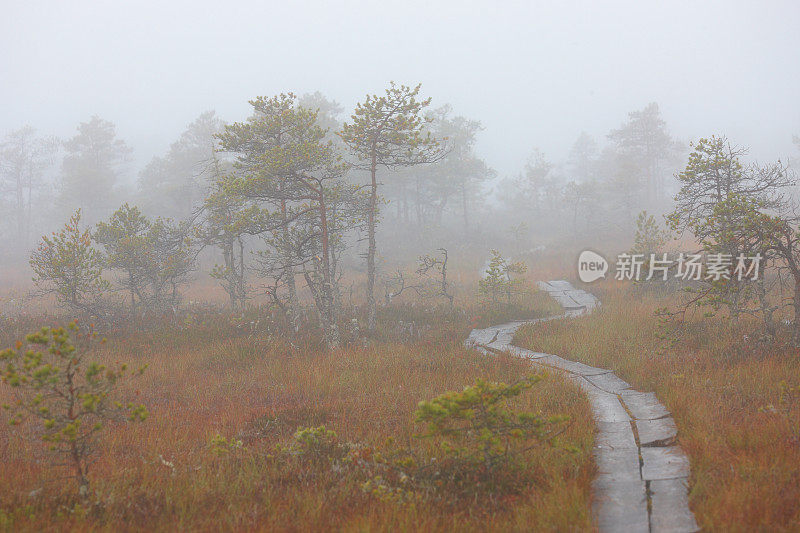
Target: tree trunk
{"type": "Point", "coordinates": [444, 290]}
{"type": "Point", "coordinates": [371, 248]}
{"type": "Point", "coordinates": [240, 287]}
{"type": "Point", "coordinates": [464, 209]}
{"type": "Point", "coordinates": [230, 272]}
{"type": "Point", "coordinates": [133, 301]}
{"type": "Point", "coordinates": [329, 310]}
{"type": "Point", "coordinates": [796, 302]}
{"type": "Point", "coordinates": [80, 473]}
{"type": "Point", "coordinates": [766, 310]}
{"type": "Point", "coordinates": [289, 269]}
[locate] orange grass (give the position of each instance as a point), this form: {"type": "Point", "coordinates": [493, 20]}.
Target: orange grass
{"type": "Point", "coordinates": [161, 475]}
{"type": "Point", "coordinates": [724, 393]}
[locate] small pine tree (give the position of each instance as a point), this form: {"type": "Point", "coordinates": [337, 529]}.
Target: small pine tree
{"type": "Point", "coordinates": [482, 438]}
{"type": "Point", "coordinates": [66, 264]}
{"type": "Point", "coordinates": [497, 281]}
{"type": "Point", "coordinates": [156, 256]}
{"type": "Point", "coordinates": [72, 399]}
{"type": "Point", "coordinates": [388, 131]}
{"type": "Point", "coordinates": [649, 237]}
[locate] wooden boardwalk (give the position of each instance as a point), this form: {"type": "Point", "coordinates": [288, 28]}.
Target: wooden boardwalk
{"type": "Point", "coordinates": [642, 478]}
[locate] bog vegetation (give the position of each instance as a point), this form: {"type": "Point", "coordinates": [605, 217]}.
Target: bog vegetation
{"type": "Point", "coordinates": [299, 288]}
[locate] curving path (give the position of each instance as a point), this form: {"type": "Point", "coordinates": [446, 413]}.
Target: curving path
{"type": "Point", "coordinates": [642, 479]}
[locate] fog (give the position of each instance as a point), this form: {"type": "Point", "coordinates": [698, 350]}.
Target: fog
{"type": "Point", "coordinates": [535, 74]}
{"type": "Point", "coordinates": [391, 261]}
{"type": "Point", "coordinates": [559, 122]}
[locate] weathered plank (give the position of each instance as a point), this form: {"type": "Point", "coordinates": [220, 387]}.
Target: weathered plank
{"type": "Point", "coordinates": [664, 463]}
{"type": "Point", "coordinates": [504, 338]}
{"type": "Point", "coordinates": [572, 366]}
{"type": "Point", "coordinates": [606, 407]}
{"type": "Point", "coordinates": [620, 505]}
{"type": "Point", "coordinates": [670, 507]}
{"type": "Point", "coordinates": [561, 285]}
{"type": "Point", "coordinates": [543, 285]}
{"type": "Point", "coordinates": [659, 432]}
{"type": "Point", "coordinates": [582, 297]}
{"type": "Point", "coordinates": [481, 336]}
{"type": "Point", "coordinates": [643, 405]}
{"type": "Point", "coordinates": [565, 300]}
{"type": "Point", "coordinates": [615, 435]}
{"type": "Point", "coordinates": [609, 382]}
{"type": "Point", "coordinates": [618, 464]}
{"type": "Point", "coordinates": [522, 352]}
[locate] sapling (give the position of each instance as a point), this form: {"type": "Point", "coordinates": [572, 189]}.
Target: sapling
{"type": "Point", "coordinates": [483, 439]}
{"type": "Point", "coordinates": [498, 281]}
{"type": "Point", "coordinates": [66, 398]}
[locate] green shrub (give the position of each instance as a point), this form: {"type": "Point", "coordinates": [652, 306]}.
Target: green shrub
{"type": "Point", "coordinates": [318, 444]}
{"type": "Point", "coordinates": [480, 448]}
{"type": "Point", "coordinates": [482, 439]}
{"type": "Point", "coordinates": [219, 445]}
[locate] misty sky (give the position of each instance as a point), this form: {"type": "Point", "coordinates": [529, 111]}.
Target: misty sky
{"type": "Point", "coordinates": [534, 73]}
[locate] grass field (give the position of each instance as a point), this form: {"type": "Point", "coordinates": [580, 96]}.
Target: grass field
{"type": "Point", "coordinates": [212, 385]}
{"type": "Point", "coordinates": [227, 392]}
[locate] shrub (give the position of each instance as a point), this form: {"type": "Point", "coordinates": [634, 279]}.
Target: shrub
{"type": "Point", "coordinates": [219, 445]}
{"type": "Point", "coordinates": [479, 432]}
{"type": "Point", "coordinates": [480, 448]}
{"type": "Point", "coordinates": [649, 238]}
{"type": "Point", "coordinates": [318, 444]}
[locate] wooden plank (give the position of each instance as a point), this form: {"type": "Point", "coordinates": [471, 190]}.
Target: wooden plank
{"type": "Point", "coordinates": [619, 464]}
{"type": "Point", "coordinates": [606, 407]}
{"type": "Point", "coordinates": [564, 300]}
{"type": "Point", "coordinates": [659, 432]}
{"type": "Point", "coordinates": [664, 463]}
{"type": "Point", "coordinates": [543, 285]}
{"type": "Point", "coordinates": [609, 383]}
{"type": "Point", "coordinates": [670, 507]}
{"type": "Point", "coordinates": [524, 353]}
{"type": "Point", "coordinates": [615, 435]}
{"type": "Point", "coordinates": [573, 366]}
{"type": "Point", "coordinates": [620, 506]}
{"type": "Point", "coordinates": [643, 405]}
